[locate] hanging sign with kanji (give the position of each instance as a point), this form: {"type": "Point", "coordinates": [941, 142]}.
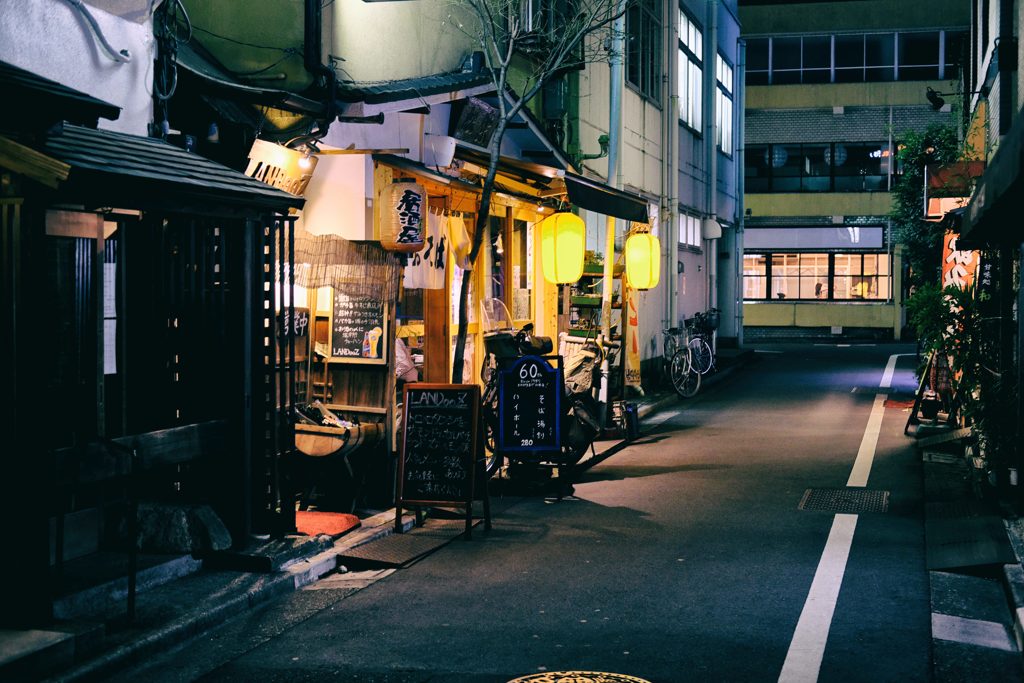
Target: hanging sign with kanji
{"type": "Point", "coordinates": [529, 407]}
{"type": "Point", "coordinates": [958, 266]}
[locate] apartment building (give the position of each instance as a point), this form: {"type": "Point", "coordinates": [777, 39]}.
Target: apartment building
{"type": "Point", "coordinates": [831, 88]}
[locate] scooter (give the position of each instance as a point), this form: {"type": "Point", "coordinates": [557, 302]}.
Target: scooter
{"type": "Point", "coordinates": [579, 419]}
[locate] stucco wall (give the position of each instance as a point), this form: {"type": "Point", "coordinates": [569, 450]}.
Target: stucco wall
{"type": "Point", "coordinates": [865, 15]}
{"type": "Point", "coordinates": [425, 37]}
{"type": "Point", "coordinates": [53, 40]}
{"type": "Point", "coordinates": [780, 314]}
{"type": "Point", "coordinates": [819, 204]}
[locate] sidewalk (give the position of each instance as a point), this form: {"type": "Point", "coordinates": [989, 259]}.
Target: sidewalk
{"type": "Point", "coordinates": [181, 597]}
{"type": "Point", "coordinates": [973, 557]}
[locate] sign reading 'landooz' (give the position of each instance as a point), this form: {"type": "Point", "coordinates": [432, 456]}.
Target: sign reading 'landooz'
{"type": "Point", "coordinates": [440, 447]}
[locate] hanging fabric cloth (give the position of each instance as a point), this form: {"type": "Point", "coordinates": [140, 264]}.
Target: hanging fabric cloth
{"type": "Point", "coordinates": [425, 268]}
{"type": "Point", "coordinates": [460, 242]}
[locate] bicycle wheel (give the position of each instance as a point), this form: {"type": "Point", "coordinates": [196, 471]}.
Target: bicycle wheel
{"type": "Point", "coordinates": [700, 351]}
{"type": "Point", "coordinates": [685, 378]}
{"type": "Point", "coordinates": [489, 415]}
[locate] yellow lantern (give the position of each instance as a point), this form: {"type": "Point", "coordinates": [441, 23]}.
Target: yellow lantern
{"type": "Point", "coordinates": [563, 241]}
{"type": "Point", "coordinates": [643, 260]}
{"type": "Point", "coordinates": [403, 216]}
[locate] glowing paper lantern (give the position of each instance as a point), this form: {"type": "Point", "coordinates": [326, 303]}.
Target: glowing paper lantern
{"type": "Point", "coordinates": [643, 260]}
{"type": "Point", "coordinates": [563, 241]}
{"type": "Point", "coordinates": [403, 207]}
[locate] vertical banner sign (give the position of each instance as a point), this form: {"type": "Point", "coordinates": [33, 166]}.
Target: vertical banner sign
{"type": "Point", "coordinates": [632, 326]}
{"type": "Point", "coordinates": [529, 407]}
{"type": "Point", "coordinates": [958, 267]}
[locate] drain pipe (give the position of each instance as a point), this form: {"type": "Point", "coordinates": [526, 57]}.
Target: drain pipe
{"type": "Point", "coordinates": [312, 59]}
{"type": "Point", "coordinates": [711, 147]}
{"type": "Point", "coordinates": [670, 181]}
{"type": "Point", "coordinates": [614, 180]}
{"type": "Point", "coordinates": [741, 188]}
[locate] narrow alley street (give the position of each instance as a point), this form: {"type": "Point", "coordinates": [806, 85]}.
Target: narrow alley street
{"type": "Point", "coordinates": [683, 557]}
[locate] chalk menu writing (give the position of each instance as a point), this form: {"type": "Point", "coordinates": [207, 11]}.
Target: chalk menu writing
{"type": "Point", "coordinates": [440, 442]}
{"type": "Point", "coordinates": [529, 406]}
{"type": "Point", "coordinates": [357, 327]}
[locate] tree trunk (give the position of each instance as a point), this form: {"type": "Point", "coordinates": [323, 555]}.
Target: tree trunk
{"type": "Point", "coordinates": [482, 219]}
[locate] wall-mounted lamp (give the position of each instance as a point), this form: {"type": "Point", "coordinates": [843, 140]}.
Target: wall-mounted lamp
{"type": "Point", "coordinates": [935, 98]}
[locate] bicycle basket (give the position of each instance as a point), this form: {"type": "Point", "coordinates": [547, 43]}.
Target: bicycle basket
{"type": "Point", "coordinates": [714, 319]}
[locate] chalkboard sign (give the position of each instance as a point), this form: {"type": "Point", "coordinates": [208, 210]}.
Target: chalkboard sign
{"type": "Point", "coordinates": [358, 329]}
{"type": "Point", "coordinates": [440, 447]}
{"type": "Point", "coordinates": [529, 406]}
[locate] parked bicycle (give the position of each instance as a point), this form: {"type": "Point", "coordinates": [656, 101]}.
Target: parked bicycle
{"type": "Point", "coordinates": [677, 363]}
{"type": "Point", "coordinates": [580, 423]}
{"type": "Point", "coordinates": [701, 330]}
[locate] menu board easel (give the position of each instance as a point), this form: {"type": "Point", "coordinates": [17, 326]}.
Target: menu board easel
{"type": "Point", "coordinates": [440, 450]}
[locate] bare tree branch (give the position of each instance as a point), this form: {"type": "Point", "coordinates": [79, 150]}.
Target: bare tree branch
{"type": "Point", "coordinates": [560, 35]}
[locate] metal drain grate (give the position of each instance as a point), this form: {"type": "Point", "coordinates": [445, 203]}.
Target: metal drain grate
{"type": "Point", "coordinates": [845, 500]}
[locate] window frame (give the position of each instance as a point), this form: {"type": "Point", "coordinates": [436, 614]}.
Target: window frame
{"type": "Point", "coordinates": [830, 277]}
{"type": "Point", "coordinates": [643, 43]}
{"type": "Point", "coordinates": [859, 73]}
{"type": "Point", "coordinates": [724, 128]}
{"type": "Point", "coordinates": [690, 62]}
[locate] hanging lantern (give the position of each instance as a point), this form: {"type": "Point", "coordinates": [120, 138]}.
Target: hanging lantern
{"type": "Point", "coordinates": [403, 216]}
{"type": "Point", "coordinates": [563, 241]}
{"type": "Point", "coordinates": [643, 260]}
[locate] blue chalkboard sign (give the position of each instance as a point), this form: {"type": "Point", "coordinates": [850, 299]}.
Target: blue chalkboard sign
{"type": "Point", "coordinates": [530, 406]}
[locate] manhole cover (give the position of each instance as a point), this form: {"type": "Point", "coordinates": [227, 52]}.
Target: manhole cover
{"type": "Point", "coordinates": [578, 677]}
{"type": "Point", "coordinates": [848, 500]}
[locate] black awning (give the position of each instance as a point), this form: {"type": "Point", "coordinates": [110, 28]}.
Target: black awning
{"type": "Point", "coordinates": [596, 196]}
{"type": "Point", "coordinates": [37, 102]}
{"type": "Point", "coordinates": [993, 218]}
{"type": "Point", "coordinates": [130, 171]}
{"type": "Point", "coordinates": [196, 60]}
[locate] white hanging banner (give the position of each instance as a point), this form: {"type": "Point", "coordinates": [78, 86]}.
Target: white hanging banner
{"type": "Point", "coordinates": [425, 268]}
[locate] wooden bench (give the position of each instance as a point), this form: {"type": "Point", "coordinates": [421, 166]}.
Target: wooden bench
{"type": "Point", "coordinates": [110, 470]}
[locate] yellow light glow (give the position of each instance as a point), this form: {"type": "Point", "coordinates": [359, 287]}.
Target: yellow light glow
{"type": "Point", "coordinates": [563, 241]}
{"type": "Point", "coordinates": [403, 216]}
{"type": "Point", "coordinates": [643, 260]}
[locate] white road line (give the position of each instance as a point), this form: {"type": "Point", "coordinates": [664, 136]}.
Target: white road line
{"type": "Point", "coordinates": [866, 453]}
{"type": "Point", "coordinates": [660, 417]}
{"type": "Point", "coordinates": [972, 632]}
{"type": "Point", "coordinates": [803, 661]}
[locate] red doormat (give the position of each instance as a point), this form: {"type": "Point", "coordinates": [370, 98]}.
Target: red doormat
{"type": "Point", "coordinates": [331, 523]}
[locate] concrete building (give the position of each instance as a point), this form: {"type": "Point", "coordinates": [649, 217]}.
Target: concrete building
{"type": "Point", "coordinates": [831, 87]}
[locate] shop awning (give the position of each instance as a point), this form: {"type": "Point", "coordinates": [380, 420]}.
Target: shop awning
{"type": "Point", "coordinates": [34, 102]}
{"type": "Point", "coordinates": [596, 196]}
{"type": "Point", "coordinates": [540, 181]}
{"type": "Point", "coordinates": [993, 217]}
{"type": "Point", "coordinates": [130, 171]}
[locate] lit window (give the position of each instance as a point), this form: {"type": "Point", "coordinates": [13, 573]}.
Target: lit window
{"type": "Point", "coordinates": [691, 45]}
{"type": "Point", "coordinates": [723, 106]}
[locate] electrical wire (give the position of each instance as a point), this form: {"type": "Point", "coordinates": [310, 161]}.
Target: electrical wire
{"type": "Point", "coordinates": [242, 42]}
{"type": "Point", "coordinates": [119, 56]}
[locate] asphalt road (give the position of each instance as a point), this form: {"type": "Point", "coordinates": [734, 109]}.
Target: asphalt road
{"type": "Point", "coordinates": [683, 557]}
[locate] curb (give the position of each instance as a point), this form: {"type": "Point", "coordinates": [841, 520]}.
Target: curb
{"type": "Point", "coordinates": [176, 631]}
{"type": "Point", "coordinates": [1013, 578]}
{"type": "Point", "coordinates": [291, 577]}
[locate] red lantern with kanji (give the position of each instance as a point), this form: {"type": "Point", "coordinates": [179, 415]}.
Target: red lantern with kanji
{"type": "Point", "coordinates": [403, 215]}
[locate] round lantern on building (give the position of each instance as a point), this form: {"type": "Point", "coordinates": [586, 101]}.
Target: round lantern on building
{"type": "Point", "coordinates": [643, 260]}
{"type": "Point", "coordinates": [403, 216]}
{"type": "Point", "coordinates": [563, 241]}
